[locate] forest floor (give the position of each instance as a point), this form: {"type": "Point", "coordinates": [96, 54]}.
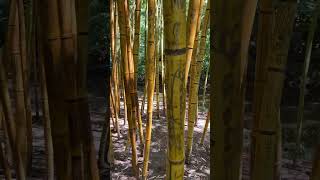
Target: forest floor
{"type": "Point", "coordinates": [199, 168]}
{"type": "Point", "coordinates": [121, 170]}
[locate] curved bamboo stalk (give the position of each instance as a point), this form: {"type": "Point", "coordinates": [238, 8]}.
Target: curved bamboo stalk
{"type": "Point", "coordinates": [312, 29]}
{"type": "Point", "coordinates": [194, 83]}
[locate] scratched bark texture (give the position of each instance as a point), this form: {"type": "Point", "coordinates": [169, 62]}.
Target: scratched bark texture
{"type": "Point", "coordinates": [175, 52]}
{"type": "Point", "coordinates": [232, 23]}
{"type": "Point", "coordinates": [266, 135]}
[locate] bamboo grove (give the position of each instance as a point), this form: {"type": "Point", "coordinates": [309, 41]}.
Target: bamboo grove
{"type": "Point", "coordinates": [47, 43]}
{"type": "Point", "coordinates": [179, 61]}
{"type": "Point", "coordinates": [184, 47]}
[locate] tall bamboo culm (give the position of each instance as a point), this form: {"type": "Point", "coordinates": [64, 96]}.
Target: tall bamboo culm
{"type": "Point", "coordinates": [196, 67]}
{"type": "Point", "coordinates": [228, 78]}
{"type": "Point", "coordinates": [128, 74]}
{"type": "Point", "coordinates": [175, 53]}
{"type": "Point", "coordinates": [267, 132]}
{"type": "Point", "coordinates": [151, 65]}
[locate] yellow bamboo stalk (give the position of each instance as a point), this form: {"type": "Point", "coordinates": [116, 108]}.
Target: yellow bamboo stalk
{"type": "Point", "coordinates": [193, 17]}
{"type": "Point", "coordinates": [128, 71]}
{"type": "Point", "coordinates": [136, 46]}
{"type": "Point", "coordinates": [115, 113]}
{"type": "Point", "coordinates": [175, 53]}
{"type": "Point", "coordinates": [194, 83]}
{"type": "Point", "coordinates": [151, 62]}
{"type": "Point", "coordinates": [205, 128]}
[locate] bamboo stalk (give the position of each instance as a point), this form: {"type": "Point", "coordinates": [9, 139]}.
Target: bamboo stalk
{"type": "Point", "coordinates": [128, 67]}
{"type": "Point", "coordinates": [227, 102]}
{"type": "Point", "coordinates": [312, 29]}
{"type": "Point", "coordinates": [267, 135]}
{"type": "Point", "coordinates": [3, 157]}
{"type": "Point", "coordinates": [175, 52]}
{"type": "Point", "coordinates": [205, 128]}
{"type": "Point", "coordinates": [194, 83]}
{"type": "Point", "coordinates": [8, 116]}
{"type": "Point", "coordinates": [151, 63]}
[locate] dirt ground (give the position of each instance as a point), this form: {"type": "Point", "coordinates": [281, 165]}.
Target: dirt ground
{"type": "Point", "coordinates": [199, 169]}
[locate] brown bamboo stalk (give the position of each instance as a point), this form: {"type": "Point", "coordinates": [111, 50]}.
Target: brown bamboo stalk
{"type": "Point", "coordinates": [266, 147]}
{"type": "Point", "coordinates": [128, 67]}
{"type": "Point", "coordinates": [8, 116]}
{"type": "Point", "coordinates": [45, 110]}
{"type": "Point", "coordinates": [55, 72]}
{"type": "Point", "coordinates": [151, 65]}
{"type": "Point", "coordinates": [20, 115]}
{"type": "Point", "coordinates": [236, 18]}
{"type": "Point", "coordinates": [3, 157]}
{"type": "Point", "coordinates": [25, 77]}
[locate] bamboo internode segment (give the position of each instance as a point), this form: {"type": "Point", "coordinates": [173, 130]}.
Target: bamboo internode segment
{"type": "Point", "coordinates": [266, 144]}
{"type": "Point", "coordinates": [233, 21]}
{"type": "Point", "coordinates": [174, 28]}
{"type": "Point", "coordinates": [192, 21]}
